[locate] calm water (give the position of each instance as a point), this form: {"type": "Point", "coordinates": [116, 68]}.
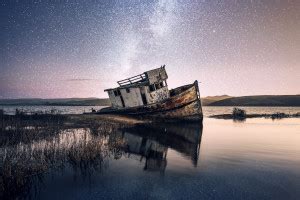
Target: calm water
{"type": "Point", "coordinates": [255, 159]}
{"type": "Point", "coordinates": [207, 110]}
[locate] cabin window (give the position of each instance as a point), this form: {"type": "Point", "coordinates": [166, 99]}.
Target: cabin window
{"type": "Point", "coordinates": [157, 86]}
{"type": "Point", "coordinates": [117, 93]}
{"type": "Point", "coordinates": [162, 84]}
{"type": "Point", "coordinates": [128, 90]}
{"type": "Point", "coordinates": [151, 88]}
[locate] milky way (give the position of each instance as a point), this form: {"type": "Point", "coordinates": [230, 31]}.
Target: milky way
{"type": "Point", "coordinates": [53, 49]}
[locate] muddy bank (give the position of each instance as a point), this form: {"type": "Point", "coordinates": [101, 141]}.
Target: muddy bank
{"type": "Point", "coordinates": [87, 118]}
{"type": "Point", "coordinates": [67, 119]}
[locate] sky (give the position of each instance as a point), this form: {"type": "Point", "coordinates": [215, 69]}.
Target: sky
{"type": "Point", "coordinates": [61, 49]}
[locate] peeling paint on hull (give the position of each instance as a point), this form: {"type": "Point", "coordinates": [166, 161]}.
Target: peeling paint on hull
{"type": "Point", "coordinates": [183, 105]}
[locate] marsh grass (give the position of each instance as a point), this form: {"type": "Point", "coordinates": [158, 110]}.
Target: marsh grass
{"type": "Point", "coordinates": [25, 128]}
{"type": "Point", "coordinates": [279, 115]}
{"type": "Point", "coordinates": [31, 145]}
{"type": "Point", "coordinates": [239, 114]}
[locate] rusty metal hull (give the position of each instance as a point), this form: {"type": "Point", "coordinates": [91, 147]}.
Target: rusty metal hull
{"type": "Point", "coordinates": [184, 104]}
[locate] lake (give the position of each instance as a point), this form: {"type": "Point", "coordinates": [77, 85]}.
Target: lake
{"type": "Point", "coordinates": [223, 159]}
{"type": "Point", "coordinates": [207, 110]}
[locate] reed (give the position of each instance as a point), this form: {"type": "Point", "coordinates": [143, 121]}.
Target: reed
{"type": "Point", "coordinates": [31, 145]}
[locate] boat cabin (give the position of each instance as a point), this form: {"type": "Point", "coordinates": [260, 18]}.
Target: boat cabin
{"type": "Point", "coordinates": [147, 88]}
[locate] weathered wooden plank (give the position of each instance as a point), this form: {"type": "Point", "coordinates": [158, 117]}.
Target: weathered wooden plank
{"type": "Point", "coordinates": [185, 104]}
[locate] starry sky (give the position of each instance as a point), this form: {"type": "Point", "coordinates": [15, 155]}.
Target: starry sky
{"type": "Point", "coordinates": [59, 49]}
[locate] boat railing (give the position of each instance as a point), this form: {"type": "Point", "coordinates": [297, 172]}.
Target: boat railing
{"type": "Point", "coordinates": [135, 79]}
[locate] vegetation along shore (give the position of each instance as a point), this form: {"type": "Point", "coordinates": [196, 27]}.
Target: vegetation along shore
{"type": "Point", "coordinates": [240, 114]}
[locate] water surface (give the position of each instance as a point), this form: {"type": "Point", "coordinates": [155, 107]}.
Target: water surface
{"type": "Point", "coordinates": [207, 110]}
{"type": "Point", "coordinates": [255, 159]}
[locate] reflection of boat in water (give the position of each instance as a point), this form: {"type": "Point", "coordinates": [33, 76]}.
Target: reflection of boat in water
{"type": "Point", "coordinates": [154, 153]}
{"type": "Point", "coordinates": [151, 142]}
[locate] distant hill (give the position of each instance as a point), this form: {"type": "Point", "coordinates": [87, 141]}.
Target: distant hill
{"type": "Point", "coordinates": [211, 99]}
{"type": "Point", "coordinates": [224, 100]}
{"type": "Point", "coordinates": [56, 102]}
{"type": "Point", "coordinates": [263, 100]}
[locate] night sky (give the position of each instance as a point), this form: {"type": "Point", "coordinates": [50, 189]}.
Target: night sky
{"type": "Point", "coordinates": [53, 49]}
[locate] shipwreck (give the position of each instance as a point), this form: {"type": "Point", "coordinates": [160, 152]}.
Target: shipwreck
{"type": "Point", "coordinates": [147, 95]}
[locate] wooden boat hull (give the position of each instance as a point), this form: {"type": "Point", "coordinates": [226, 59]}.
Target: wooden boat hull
{"type": "Point", "coordinates": [184, 105]}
